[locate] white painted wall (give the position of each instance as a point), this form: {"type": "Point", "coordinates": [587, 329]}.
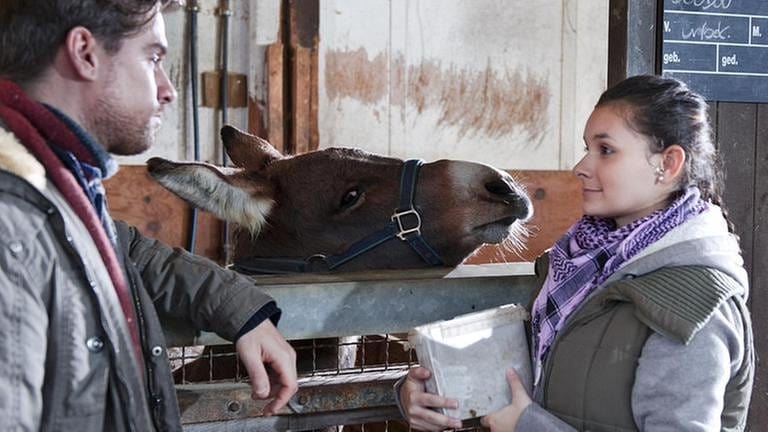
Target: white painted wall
{"type": "Point", "coordinates": [509, 83]}
{"type": "Point", "coordinates": [505, 82]}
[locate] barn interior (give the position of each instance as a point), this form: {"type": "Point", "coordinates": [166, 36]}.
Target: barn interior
{"type": "Point", "coordinates": [505, 83]}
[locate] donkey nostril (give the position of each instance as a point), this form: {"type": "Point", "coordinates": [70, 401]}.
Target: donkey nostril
{"type": "Point", "coordinates": [499, 187]}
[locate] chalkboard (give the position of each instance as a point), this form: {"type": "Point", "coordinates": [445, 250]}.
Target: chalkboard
{"type": "Point", "coordinates": [719, 47]}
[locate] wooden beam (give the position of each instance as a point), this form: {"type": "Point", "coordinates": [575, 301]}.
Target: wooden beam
{"type": "Point", "coordinates": [303, 30]}
{"type": "Point", "coordinates": [301, 92]}
{"type": "Point", "coordinates": [556, 197]}
{"type": "Point", "coordinates": [633, 35]}
{"type": "Point", "coordinates": [135, 197]}
{"type": "Point", "coordinates": [758, 413]}
{"type": "Point", "coordinates": [275, 96]}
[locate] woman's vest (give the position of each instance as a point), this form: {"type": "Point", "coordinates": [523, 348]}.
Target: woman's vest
{"type": "Point", "coordinates": [588, 376]}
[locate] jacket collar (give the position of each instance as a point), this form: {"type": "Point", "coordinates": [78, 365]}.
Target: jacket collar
{"type": "Point", "coordinates": [703, 240]}
{"type": "Point", "coordinates": [100, 158]}
{"type": "Point", "coordinates": [16, 159]}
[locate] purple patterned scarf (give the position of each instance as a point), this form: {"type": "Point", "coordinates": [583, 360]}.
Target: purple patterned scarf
{"type": "Point", "coordinates": [588, 254]}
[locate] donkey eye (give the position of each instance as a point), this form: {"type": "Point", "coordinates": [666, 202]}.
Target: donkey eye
{"type": "Point", "coordinates": [350, 198]}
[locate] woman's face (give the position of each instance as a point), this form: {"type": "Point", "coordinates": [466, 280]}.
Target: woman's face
{"type": "Point", "coordinates": [618, 171]}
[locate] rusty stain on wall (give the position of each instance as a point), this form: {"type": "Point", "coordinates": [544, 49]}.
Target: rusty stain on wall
{"type": "Point", "coordinates": [496, 103]}
{"type": "Point", "coordinates": [351, 74]}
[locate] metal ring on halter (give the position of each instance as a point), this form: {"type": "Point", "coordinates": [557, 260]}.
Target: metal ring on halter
{"type": "Point", "coordinates": [397, 217]}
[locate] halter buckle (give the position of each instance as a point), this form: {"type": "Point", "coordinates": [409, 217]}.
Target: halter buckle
{"type": "Point", "coordinates": [398, 216]}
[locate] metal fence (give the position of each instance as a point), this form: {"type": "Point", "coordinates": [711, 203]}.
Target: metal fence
{"type": "Point", "coordinates": [345, 379]}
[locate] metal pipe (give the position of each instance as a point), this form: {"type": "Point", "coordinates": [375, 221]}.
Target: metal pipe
{"type": "Point", "coordinates": [193, 8]}
{"type": "Point", "coordinates": [225, 12]}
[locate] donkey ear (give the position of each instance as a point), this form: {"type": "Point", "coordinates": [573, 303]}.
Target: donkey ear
{"type": "Point", "coordinates": [248, 151]}
{"type": "Point", "coordinates": [224, 192]}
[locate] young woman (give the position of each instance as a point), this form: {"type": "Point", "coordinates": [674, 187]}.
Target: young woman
{"type": "Point", "coordinates": [641, 322]}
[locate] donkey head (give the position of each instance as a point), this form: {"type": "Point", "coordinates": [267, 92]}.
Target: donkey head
{"type": "Point", "coordinates": [325, 201]}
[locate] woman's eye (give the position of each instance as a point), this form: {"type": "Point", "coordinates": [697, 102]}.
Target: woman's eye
{"type": "Point", "coordinates": [605, 150]}
{"type": "Point", "coordinates": [350, 198]}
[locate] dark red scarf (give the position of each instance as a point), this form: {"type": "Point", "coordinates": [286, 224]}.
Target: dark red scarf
{"type": "Point", "coordinates": [34, 125]}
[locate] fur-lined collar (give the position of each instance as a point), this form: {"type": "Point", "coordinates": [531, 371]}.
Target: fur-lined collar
{"type": "Point", "coordinates": [15, 158]}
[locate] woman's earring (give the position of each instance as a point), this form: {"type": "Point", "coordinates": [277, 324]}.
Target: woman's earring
{"type": "Point", "coordinates": [659, 171]}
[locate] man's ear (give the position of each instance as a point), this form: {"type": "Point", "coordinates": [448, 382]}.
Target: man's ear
{"type": "Point", "coordinates": [673, 161]}
{"type": "Point", "coordinates": [82, 51]}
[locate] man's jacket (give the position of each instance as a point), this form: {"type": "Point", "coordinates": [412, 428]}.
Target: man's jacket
{"type": "Point", "coordinates": [68, 363]}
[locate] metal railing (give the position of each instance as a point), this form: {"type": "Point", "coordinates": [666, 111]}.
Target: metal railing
{"type": "Point", "coordinates": [343, 305]}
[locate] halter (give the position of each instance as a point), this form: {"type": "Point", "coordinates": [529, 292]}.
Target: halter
{"type": "Point", "coordinates": [405, 224]}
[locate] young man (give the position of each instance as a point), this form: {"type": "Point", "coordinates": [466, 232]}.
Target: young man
{"type": "Point", "coordinates": [80, 340]}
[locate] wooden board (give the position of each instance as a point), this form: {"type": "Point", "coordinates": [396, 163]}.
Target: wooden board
{"type": "Point", "coordinates": [275, 107]}
{"type": "Point", "coordinates": [134, 197]}
{"type": "Point", "coordinates": [758, 293]}
{"type": "Point", "coordinates": [736, 125]}
{"type": "Point", "coordinates": [556, 197]}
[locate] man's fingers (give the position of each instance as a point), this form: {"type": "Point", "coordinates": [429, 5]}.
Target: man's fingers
{"type": "Point", "coordinates": [259, 378]}
{"type": "Point", "coordinates": [287, 386]}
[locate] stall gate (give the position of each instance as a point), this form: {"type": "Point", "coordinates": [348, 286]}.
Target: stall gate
{"type": "Point", "coordinates": [383, 305]}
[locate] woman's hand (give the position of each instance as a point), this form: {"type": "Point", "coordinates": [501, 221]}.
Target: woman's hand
{"type": "Point", "coordinates": [505, 419]}
{"type": "Point", "coordinates": [416, 403]}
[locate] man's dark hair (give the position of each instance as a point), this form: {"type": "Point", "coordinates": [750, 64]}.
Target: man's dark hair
{"type": "Point", "coordinates": [31, 31]}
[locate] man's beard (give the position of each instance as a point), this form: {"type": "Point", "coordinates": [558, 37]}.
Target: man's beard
{"type": "Point", "coordinates": [119, 132]}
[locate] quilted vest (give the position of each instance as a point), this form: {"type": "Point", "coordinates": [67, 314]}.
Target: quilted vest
{"type": "Point", "coordinates": [588, 376]}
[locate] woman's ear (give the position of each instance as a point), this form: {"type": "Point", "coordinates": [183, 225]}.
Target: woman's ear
{"type": "Point", "coordinates": [673, 162]}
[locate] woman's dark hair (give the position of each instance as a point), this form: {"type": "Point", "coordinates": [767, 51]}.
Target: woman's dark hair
{"type": "Point", "coordinates": [31, 31]}
{"type": "Point", "coordinates": [667, 112]}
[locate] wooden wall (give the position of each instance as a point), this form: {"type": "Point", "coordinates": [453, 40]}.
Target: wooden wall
{"type": "Point", "coordinates": [742, 134]}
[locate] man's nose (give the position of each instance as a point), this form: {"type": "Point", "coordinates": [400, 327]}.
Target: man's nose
{"type": "Point", "coordinates": [166, 93]}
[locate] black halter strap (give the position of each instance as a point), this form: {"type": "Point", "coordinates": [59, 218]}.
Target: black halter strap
{"type": "Point", "coordinates": [404, 224]}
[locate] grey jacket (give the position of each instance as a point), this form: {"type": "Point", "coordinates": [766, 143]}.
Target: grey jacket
{"type": "Point", "coordinates": [65, 349]}
{"type": "Point", "coordinates": [681, 387]}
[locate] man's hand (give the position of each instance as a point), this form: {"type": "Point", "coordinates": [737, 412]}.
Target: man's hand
{"type": "Point", "coordinates": [264, 345]}
{"type": "Point", "coordinates": [418, 404]}
{"type": "Point", "coordinates": [505, 419]}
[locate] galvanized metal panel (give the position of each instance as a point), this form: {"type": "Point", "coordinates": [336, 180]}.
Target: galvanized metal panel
{"type": "Point", "coordinates": [380, 302]}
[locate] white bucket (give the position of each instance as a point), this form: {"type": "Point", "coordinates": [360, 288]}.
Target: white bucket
{"type": "Point", "coordinates": [469, 355]}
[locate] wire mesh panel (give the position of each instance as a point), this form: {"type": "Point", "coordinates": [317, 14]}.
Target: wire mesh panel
{"type": "Point", "coordinates": [336, 374]}
{"type": "Point", "coordinates": [345, 382]}
{"type": "Point", "coordinates": [326, 356]}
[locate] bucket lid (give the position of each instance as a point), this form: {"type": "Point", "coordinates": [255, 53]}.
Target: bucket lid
{"type": "Point", "coordinates": [490, 318]}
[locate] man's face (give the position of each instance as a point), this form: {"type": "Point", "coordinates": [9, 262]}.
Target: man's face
{"type": "Point", "coordinates": [134, 92]}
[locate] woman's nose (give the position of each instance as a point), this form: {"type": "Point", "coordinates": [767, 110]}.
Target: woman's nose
{"type": "Point", "coordinates": [581, 168]}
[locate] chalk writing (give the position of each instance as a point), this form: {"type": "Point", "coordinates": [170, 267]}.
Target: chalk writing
{"type": "Point", "coordinates": [706, 32]}
{"type": "Point", "coordinates": [705, 4]}
{"type": "Point", "coordinates": [720, 47]}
